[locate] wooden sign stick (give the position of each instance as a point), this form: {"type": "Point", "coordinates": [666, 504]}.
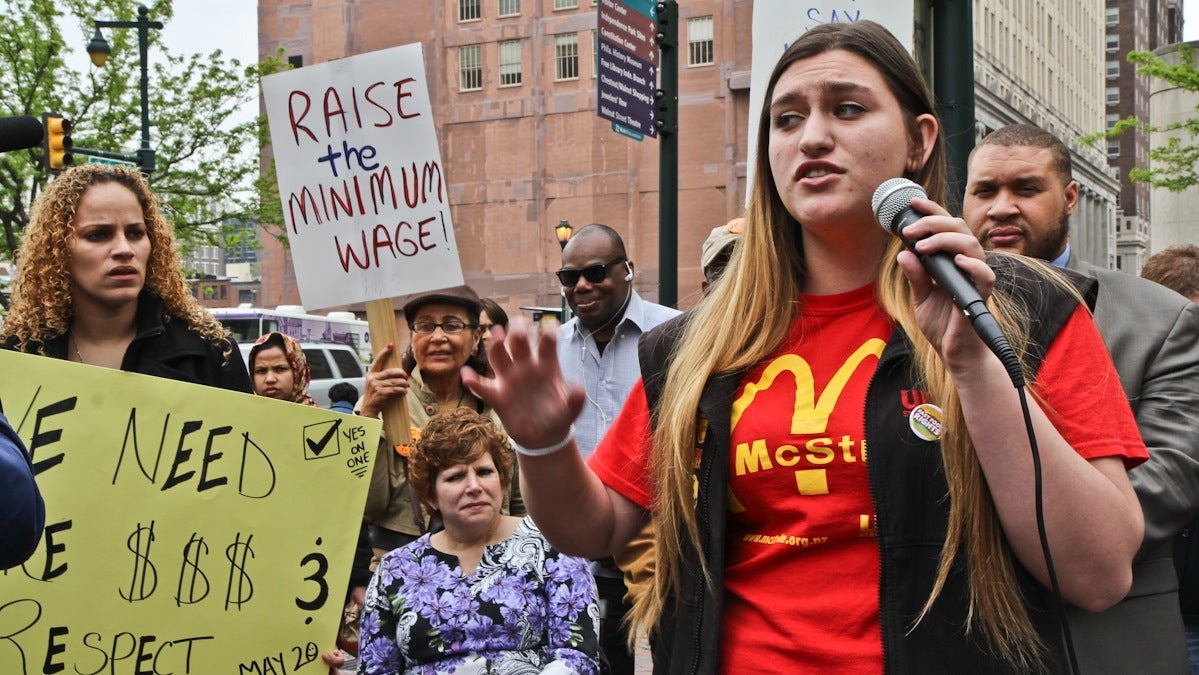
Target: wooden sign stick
{"type": "Point", "coordinates": [381, 318]}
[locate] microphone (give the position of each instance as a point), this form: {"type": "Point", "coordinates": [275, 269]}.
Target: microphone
{"type": "Point", "coordinates": [20, 133]}
{"type": "Point", "coordinates": [892, 205]}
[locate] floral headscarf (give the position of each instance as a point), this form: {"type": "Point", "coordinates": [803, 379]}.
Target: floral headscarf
{"type": "Point", "coordinates": [301, 376]}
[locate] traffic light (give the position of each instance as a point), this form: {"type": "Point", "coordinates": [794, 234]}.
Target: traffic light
{"type": "Point", "coordinates": [56, 154]}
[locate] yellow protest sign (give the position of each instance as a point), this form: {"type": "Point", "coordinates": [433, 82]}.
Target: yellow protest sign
{"type": "Point", "coordinates": [189, 530]}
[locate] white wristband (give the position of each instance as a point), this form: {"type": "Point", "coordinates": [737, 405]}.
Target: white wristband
{"type": "Point", "coordinates": [548, 450]}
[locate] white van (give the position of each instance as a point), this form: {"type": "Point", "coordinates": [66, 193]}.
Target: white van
{"type": "Point", "coordinates": [330, 363]}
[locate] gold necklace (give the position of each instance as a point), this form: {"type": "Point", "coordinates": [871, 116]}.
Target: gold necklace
{"type": "Point", "coordinates": [75, 344]}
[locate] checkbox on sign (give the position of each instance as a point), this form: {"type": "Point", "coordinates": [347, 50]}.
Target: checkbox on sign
{"type": "Point", "coordinates": [321, 440]}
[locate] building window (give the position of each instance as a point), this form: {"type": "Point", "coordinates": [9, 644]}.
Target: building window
{"type": "Point", "coordinates": [1113, 69]}
{"type": "Point", "coordinates": [509, 8]}
{"type": "Point", "coordinates": [566, 56]}
{"type": "Point", "coordinates": [1112, 118]}
{"type": "Point", "coordinates": [1113, 147]}
{"type": "Point", "coordinates": [1113, 43]}
{"type": "Point", "coordinates": [566, 4]}
{"type": "Point", "coordinates": [1113, 16]}
{"type": "Point", "coordinates": [510, 66]}
{"type": "Point", "coordinates": [699, 42]}
{"type": "Point", "coordinates": [1113, 95]}
{"type": "Point", "coordinates": [470, 68]}
{"type": "Point", "coordinates": [470, 10]}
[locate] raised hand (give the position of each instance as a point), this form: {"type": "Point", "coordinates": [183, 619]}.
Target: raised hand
{"type": "Point", "coordinates": [529, 393]}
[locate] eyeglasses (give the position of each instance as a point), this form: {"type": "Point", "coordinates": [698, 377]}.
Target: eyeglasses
{"type": "Point", "coordinates": [594, 274]}
{"type": "Point", "coordinates": [451, 327]}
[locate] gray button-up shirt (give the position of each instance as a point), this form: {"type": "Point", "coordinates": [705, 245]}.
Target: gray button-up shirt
{"type": "Point", "coordinates": [609, 378]}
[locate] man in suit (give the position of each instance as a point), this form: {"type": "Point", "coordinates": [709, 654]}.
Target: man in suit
{"type": "Point", "coordinates": [1019, 198]}
{"type": "Point", "coordinates": [1177, 268]}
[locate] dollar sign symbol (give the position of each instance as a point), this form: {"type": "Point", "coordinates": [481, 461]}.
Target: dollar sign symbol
{"type": "Point", "coordinates": [191, 573]}
{"type": "Point", "coordinates": [236, 553]}
{"type": "Point", "coordinates": [145, 576]}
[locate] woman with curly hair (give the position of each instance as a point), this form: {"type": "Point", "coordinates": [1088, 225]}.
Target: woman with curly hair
{"type": "Point", "coordinates": [98, 282]}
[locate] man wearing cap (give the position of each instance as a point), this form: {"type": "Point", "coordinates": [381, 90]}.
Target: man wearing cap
{"type": "Point", "coordinates": [717, 248]}
{"type": "Point", "coordinates": [598, 349]}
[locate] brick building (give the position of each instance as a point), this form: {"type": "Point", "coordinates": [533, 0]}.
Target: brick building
{"type": "Point", "coordinates": [513, 90]}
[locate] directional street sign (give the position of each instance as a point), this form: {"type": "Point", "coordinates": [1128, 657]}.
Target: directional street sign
{"type": "Point", "coordinates": [110, 162]}
{"type": "Point", "coordinates": [628, 65]}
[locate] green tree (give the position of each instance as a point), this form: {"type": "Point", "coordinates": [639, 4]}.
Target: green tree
{"type": "Point", "coordinates": [1174, 165]}
{"type": "Point", "coordinates": [207, 170]}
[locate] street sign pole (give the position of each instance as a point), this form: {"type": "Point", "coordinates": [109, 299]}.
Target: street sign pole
{"type": "Point", "coordinates": [668, 157]}
{"type": "Point", "coordinates": [631, 33]}
{"type": "Point", "coordinates": [105, 157]}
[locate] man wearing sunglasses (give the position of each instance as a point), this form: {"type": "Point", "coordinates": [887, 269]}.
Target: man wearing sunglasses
{"type": "Point", "coordinates": [598, 349]}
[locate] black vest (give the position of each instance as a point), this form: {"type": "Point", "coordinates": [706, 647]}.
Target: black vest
{"type": "Point", "coordinates": [910, 499]}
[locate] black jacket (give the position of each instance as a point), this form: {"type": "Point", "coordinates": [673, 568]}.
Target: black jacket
{"type": "Point", "coordinates": [170, 349]}
{"type": "Point", "coordinates": [908, 489]}
{"type": "Point", "coordinates": [22, 511]}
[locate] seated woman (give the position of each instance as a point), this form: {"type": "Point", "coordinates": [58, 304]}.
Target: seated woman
{"type": "Point", "coordinates": [487, 592]}
{"type": "Point", "coordinates": [280, 369]}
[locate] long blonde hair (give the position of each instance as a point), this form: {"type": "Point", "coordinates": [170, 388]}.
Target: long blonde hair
{"type": "Point", "coordinates": [763, 282]}
{"type": "Point", "coordinates": [41, 303]}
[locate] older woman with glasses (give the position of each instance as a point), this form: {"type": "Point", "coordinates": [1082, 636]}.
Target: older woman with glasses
{"type": "Point", "coordinates": [445, 336]}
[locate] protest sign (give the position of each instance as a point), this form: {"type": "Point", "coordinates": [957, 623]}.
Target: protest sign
{"type": "Point", "coordinates": [189, 529]}
{"type": "Point", "coordinates": [365, 200]}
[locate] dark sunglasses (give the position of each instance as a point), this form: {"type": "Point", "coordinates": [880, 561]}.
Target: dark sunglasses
{"type": "Point", "coordinates": [594, 274]}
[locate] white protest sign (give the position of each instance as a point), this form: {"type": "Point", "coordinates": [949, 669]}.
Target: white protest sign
{"type": "Point", "coordinates": [364, 194]}
{"type": "Point", "coordinates": [776, 24]}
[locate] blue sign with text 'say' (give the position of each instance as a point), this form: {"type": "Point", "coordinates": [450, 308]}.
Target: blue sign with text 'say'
{"type": "Point", "coordinates": [628, 64]}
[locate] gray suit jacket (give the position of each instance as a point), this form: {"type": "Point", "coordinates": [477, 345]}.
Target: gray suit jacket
{"type": "Point", "coordinates": [1152, 334]}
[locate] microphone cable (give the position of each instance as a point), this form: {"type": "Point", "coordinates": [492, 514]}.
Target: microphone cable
{"type": "Point", "coordinates": [1039, 507]}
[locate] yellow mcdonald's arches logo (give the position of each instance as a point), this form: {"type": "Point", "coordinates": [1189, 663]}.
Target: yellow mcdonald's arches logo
{"type": "Point", "coordinates": [811, 414]}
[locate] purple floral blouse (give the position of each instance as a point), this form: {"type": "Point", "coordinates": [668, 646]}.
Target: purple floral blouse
{"type": "Point", "coordinates": [526, 609]}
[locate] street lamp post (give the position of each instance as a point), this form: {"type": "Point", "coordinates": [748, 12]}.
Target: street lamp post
{"type": "Point", "coordinates": [563, 230]}
{"type": "Point", "coordinates": [99, 50]}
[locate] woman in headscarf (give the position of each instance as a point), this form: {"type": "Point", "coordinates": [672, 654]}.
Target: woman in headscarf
{"type": "Point", "coordinates": [280, 369]}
